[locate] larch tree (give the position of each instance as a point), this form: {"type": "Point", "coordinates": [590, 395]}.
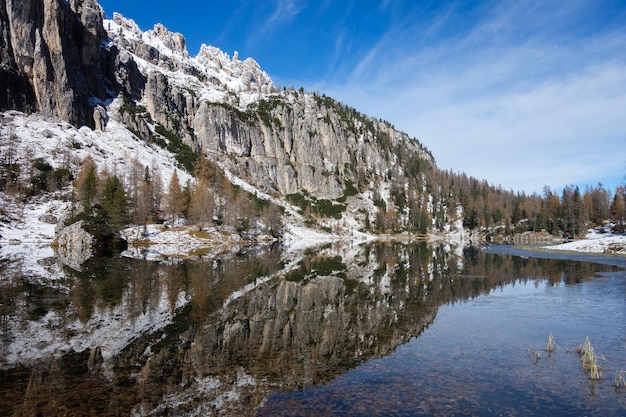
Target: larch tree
{"type": "Point", "coordinates": [553, 209]}
{"type": "Point", "coordinates": [145, 210]}
{"type": "Point", "coordinates": [600, 204]}
{"type": "Point", "coordinates": [134, 185]}
{"type": "Point", "coordinates": [202, 204]}
{"type": "Point", "coordinates": [205, 202]}
{"type": "Point", "coordinates": [175, 200]}
{"type": "Point", "coordinates": [273, 220]}
{"type": "Point", "coordinates": [156, 184]}
{"type": "Point", "coordinates": [86, 183]}
{"type": "Point", "coordinates": [587, 204]}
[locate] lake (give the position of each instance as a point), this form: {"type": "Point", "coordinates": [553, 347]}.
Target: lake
{"type": "Point", "coordinates": [377, 329]}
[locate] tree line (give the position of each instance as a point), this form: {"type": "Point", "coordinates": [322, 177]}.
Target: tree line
{"type": "Point", "coordinates": [107, 203]}
{"type": "Point", "coordinates": [569, 213]}
{"type": "Point", "coordinates": [421, 198]}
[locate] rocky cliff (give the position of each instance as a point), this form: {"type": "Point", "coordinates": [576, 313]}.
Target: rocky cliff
{"type": "Point", "coordinates": [65, 61]}
{"type": "Point", "coordinates": [280, 141]}
{"type": "Point", "coordinates": [51, 58]}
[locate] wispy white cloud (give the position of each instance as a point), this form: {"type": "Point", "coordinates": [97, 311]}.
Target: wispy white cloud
{"type": "Point", "coordinates": [517, 96]}
{"type": "Point", "coordinates": [284, 11]}
{"type": "Point", "coordinates": [559, 132]}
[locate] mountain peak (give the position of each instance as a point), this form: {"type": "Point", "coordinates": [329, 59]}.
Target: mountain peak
{"type": "Point", "coordinates": [172, 40]}
{"type": "Point", "coordinates": [126, 23]}
{"type": "Point", "coordinates": [164, 51]}
{"type": "Point", "coordinates": [247, 73]}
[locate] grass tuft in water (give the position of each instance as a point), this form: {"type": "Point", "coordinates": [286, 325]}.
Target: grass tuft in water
{"type": "Point", "coordinates": [589, 360]}
{"type": "Point", "coordinates": [620, 379]}
{"type": "Point", "coordinates": [551, 345]}
{"type": "Point", "coordinates": [534, 355]}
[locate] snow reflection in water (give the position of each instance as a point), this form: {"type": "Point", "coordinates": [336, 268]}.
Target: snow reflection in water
{"type": "Point", "coordinates": [373, 330]}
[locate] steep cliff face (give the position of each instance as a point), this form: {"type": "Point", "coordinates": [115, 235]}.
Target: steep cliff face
{"type": "Point", "coordinates": [301, 142]}
{"type": "Point", "coordinates": [51, 59]}
{"type": "Point", "coordinates": [62, 59]}
{"type": "Point", "coordinates": [280, 142]}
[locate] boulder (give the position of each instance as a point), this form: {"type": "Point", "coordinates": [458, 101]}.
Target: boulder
{"type": "Point", "coordinates": [74, 245]}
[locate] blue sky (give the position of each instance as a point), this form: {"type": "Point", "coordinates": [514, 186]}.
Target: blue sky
{"type": "Point", "coordinates": [520, 93]}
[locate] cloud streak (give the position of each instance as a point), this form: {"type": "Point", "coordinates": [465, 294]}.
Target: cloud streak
{"type": "Point", "coordinates": [516, 97]}
{"type": "Point", "coordinates": [284, 11]}
{"type": "Point", "coordinates": [522, 94]}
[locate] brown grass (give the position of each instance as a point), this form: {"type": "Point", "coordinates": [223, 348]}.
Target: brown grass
{"type": "Point", "coordinates": [201, 234]}
{"type": "Point", "coordinates": [589, 360]}
{"type": "Point", "coordinates": [551, 346]}
{"type": "Point", "coordinates": [141, 243]}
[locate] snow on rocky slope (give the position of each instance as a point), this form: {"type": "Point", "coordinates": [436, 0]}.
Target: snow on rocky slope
{"type": "Point", "coordinates": [212, 75]}
{"type": "Point", "coordinates": [62, 145]}
{"type": "Point", "coordinates": [29, 137]}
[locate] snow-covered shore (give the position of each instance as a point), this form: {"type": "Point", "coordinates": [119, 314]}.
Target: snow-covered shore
{"type": "Point", "coordinates": [594, 242]}
{"type": "Point", "coordinates": [31, 224]}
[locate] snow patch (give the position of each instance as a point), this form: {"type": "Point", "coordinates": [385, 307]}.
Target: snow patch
{"type": "Point", "coordinates": [607, 243]}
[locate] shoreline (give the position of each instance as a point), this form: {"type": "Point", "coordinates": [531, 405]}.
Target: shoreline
{"type": "Point", "coordinates": [618, 260]}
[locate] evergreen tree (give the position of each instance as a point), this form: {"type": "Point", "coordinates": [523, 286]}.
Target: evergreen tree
{"type": "Point", "coordinates": [114, 203]}
{"type": "Point", "coordinates": [573, 217]}
{"type": "Point", "coordinates": [617, 210]}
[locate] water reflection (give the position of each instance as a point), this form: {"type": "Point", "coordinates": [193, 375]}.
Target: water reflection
{"type": "Point", "coordinates": [198, 336]}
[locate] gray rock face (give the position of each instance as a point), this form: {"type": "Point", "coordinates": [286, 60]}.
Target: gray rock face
{"type": "Point", "coordinates": [51, 58]}
{"type": "Point", "coordinates": [100, 117]}
{"type": "Point", "coordinates": [55, 61]}
{"type": "Point", "coordinates": [170, 105]}
{"type": "Point", "coordinates": [173, 41]}
{"type": "Point", "coordinates": [122, 73]}
{"type": "Point", "coordinates": [74, 245]}
{"type": "Point", "coordinates": [299, 143]}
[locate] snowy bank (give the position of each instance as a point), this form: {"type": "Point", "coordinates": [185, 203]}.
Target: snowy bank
{"type": "Point", "coordinates": [157, 242]}
{"type": "Point", "coordinates": [605, 243]}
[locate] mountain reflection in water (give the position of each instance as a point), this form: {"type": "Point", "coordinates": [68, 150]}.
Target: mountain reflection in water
{"type": "Point", "coordinates": [233, 335]}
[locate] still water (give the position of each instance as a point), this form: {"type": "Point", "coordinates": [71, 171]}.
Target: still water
{"type": "Point", "coordinates": [382, 329]}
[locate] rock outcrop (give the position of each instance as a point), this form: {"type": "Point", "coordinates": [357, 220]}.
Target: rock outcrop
{"type": "Point", "coordinates": [74, 245]}
{"type": "Point", "coordinates": [51, 58]}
